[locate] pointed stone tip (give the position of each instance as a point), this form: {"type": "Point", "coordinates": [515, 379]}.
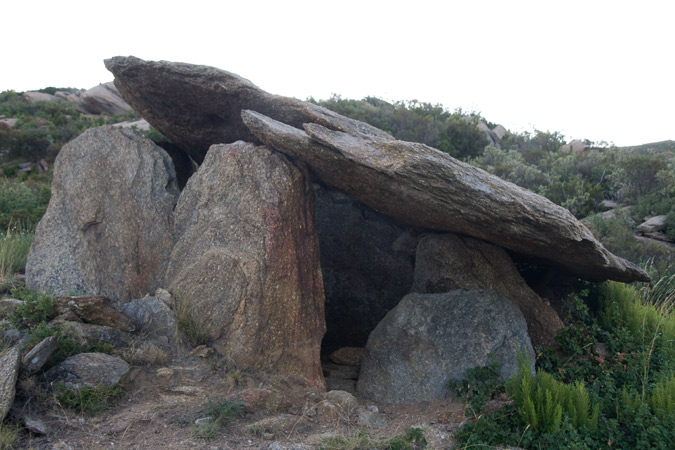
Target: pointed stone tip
{"type": "Point", "coordinates": [117, 61]}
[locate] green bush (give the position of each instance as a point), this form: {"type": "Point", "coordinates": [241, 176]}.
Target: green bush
{"type": "Point", "coordinates": [479, 386]}
{"type": "Point", "coordinates": [589, 397]}
{"type": "Point", "coordinates": [22, 203]}
{"type": "Point", "coordinates": [88, 399]}
{"type": "Point", "coordinates": [541, 400]}
{"type": "Point", "coordinates": [222, 412]}
{"type": "Point", "coordinates": [14, 247]}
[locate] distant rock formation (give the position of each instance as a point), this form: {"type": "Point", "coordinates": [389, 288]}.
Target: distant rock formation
{"type": "Point", "coordinates": [654, 228]}
{"type": "Point", "coordinates": [103, 99]}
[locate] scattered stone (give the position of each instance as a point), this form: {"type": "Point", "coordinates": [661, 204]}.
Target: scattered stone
{"type": "Point", "coordinates": [348, 356]}
{"type": "Point", "coordinates": [153, 318]}
{"type": "Point", "coordinates": [87, 334]}
{"type": "Point", "coordinates": [261, 400]}
{"type": "Point", "coordinates": [500, 132]}
{"type": "Point", "coordinates": [575, 146]}
{"type": "Point", "coordinates": [9, 370]}
{"type": "Point", "coordinates": [107, 230]}
{"type": "Point", "coordinates": [431, 338]}
{"type": "Point", "coordinates": [281, 424]}
{"type": "Point", "coordinates": [165, 296]}
{"type": "Point", "coordinates": [341, 398]}
{"type": "Point", "coordinates": [8, 306]}
{"type": "Point", "coordinates": [149, 353]}
{"type": "Point", "coordinates": [491, 138]}
{"type": "Point", "coordinates": [202, 351]}
{"type": "Point", "coordinates": [246, 262]}
{"type": "Point", "coordinates": [203, 421]}
{"type": "Point", "coordinates": [372, 419]}
{"type": "Point", "coordinates": [97, 310]}
{"type": "Point", "coordinates": [140, 124]}
{"type": "Point", "coordinates": [8, 123]}
{"type": "Point", "coordinates": [165, 372]}
{"type": "Point", "coordinates": [43, 166]}
{"type": "Point", "coordinates": [35, 425]}
{"type": "Point", "coordinates": [38, 356]}
{"type": "Point", "coordinates": [10, 335]}
{"type": "Point", "coordinates": [88, 369]}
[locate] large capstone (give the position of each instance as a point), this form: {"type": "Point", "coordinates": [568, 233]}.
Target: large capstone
{"type": "Point", "coordinates": [246, 262]}
{"type": "Point", "coordinates": [107, 230]}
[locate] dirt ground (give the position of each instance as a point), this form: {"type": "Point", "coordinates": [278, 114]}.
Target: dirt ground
{"type": "Point", "coordinates": [161, 404]}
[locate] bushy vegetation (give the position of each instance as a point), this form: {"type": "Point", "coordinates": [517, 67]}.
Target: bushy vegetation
{"type": "Point", "coordinates": [219, 413]}
{"type": "Point", "coordinates": [452, 132]}
{"type": "Point", "coordinates": [410, 439]}
{"type": "Point", "coordinates": [609, 383]}
{"type": "Point", "coordinates": [43, 127]}
{"type": "Point", "coordinates": [87, 399]}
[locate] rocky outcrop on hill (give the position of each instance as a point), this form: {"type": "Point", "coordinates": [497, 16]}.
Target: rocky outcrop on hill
{"type": "Point", "coordinates": [429, 339]}
{"type": "Point", "coordinates": [107, 230]}
{"type": "Point", "coordinates": [103, 99]}
{"type": "Point", "coordinates": [654, 228]}
{"type": "Point", "coordinates": [413, 183]}
{"type": "Point", "coordinates": [246, 260]}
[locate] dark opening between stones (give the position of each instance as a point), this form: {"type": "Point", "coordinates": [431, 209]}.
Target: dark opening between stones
{"type": "Point", "coordinates": [367, 262]}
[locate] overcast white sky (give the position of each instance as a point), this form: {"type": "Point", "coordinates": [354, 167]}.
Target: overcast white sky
{"type": "Point", "coordinates": [599, 70]}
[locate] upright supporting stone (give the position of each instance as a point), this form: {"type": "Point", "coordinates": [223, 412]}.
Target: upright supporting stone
{"type": "Point", "coordinates": [246, 263]}
{"type": "Point", "coordinates": [107, 230]}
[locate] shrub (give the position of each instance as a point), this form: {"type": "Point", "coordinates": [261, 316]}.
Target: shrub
{"type": "Point", "coordinates": [14, 249]}
{"type": "Point", "coordinates": [541, 400]}
{"type": "Point", "coordinates": [187, 322]}
{"type": "Point", "coordinates": [36, 307]}
{"type": "Point", "coordinates": [221, 412]}
{"type": "Point", "coordinates": [87, 399]}
{"type": "Point", "coordinates": [8, 436]}
{"type": "Point", "coordinates": [411, 439]}
{"type": "Point", "coordinates": [479, 386]}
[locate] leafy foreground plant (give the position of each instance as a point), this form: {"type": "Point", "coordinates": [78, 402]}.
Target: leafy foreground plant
{"type": "Point", "coordinates": [36, 307]}
{"type": "Point", "coordinates": [541, 400]}
{"type": "Point", "coordinates": [479, 386]}
{"type": "Point", "coordinates": [620, 397]}
{"type": "Point", "coordinates": [221, 412]}
{"type": "Point", "coordinates": [411, 439]}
